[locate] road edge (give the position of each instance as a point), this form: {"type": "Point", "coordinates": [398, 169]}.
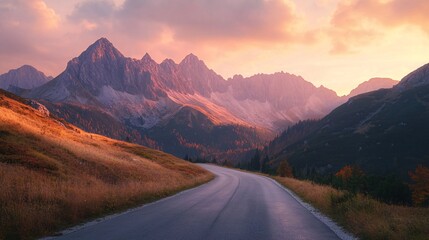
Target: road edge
{"type": "Point", "coordinates": [338, 230]}
{"type": "Point", "coordinates": [111, 216]}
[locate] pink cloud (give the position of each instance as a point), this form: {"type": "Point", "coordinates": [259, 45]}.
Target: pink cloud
{"type": "Point", "coordinates": [356, 23]}
{"type": "Point", "coordinates": [194, 21]}
{"type": "Point", "coordinates": [26, 27]}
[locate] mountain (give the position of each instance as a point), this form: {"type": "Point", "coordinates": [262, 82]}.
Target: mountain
{"type": "Point", "coordinates": [50, 169]}
{"type": "Point", "coordinates": [372, 85]}
{"type": "Point", "coordinates": [383, 132]}
{"type": "Point", "coordinates": [419, 77]}
{"type": "Point", "coordinates": [25, 77]}
{"type": "Point", "coordinates": [277, 100]}
{"type": "Point", "coordinates": [144, 100]}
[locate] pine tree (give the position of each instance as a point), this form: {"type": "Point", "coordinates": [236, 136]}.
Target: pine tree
{"type": "Point", "coordinates": [254, 162]}
{"type": "Point", "coordinates": [264, 165]}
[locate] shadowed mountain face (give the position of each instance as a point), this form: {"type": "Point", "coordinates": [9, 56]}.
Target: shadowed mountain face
{"type": "Point", "coordinates": [185, 107]}
{"type": "Point", "coordinates": [25, 77]}
{"type": "Point", "coordinates": [383, 132]}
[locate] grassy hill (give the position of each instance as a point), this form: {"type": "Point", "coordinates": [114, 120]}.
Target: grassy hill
{"type": "Point", "coordinates": [383, 132]}
{"type": "Point", "coordinates": [53, 174]}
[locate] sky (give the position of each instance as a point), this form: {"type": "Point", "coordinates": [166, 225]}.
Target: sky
{"type": "Point", "coordinates": [334, 43]}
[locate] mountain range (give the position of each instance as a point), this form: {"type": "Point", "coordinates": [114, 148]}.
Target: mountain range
{"type": "Point", "coordinates": [382, 132]}
{"type": "Point", "coordinates": [25, 77]}
{"type": "Point", "coordinates": [184, 108]}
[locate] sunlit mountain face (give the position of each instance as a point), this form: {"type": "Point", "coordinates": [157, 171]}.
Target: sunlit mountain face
{"type": "Point", "coordinates": [184, 108]}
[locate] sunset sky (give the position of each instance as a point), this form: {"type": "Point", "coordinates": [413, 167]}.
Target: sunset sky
{"type": "Point", "coordinates": [335, 43]}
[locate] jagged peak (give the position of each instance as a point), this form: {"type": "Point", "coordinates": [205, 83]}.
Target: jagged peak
{"type": "Point", "coordinates": [103, 40]}
{"type": "Point", "coordinates": [101, 43]}
{"type": "Point", "coordinates": [23, 68]}
{"type": "Point", "coordinates": [147, 57]}
{"type": "Point", "coordinates": [168, 61]}
{"type": "Point", "coordinates": [101, 48]}
{"type": "Point", "coordinates": [191, 58]}
{"type": "Point", "coordinates": [236, 77]}
{"type": "Point", "coordinates": [27, 67]}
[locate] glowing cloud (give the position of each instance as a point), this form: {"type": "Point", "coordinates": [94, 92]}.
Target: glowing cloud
{"type": "Point", "coordinates": [358, 22]}
{"type": "Point", "coordinates": [231, 36]}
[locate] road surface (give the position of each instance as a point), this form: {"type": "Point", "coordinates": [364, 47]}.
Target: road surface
{"type": "Point", "coordinates": [235, 205]}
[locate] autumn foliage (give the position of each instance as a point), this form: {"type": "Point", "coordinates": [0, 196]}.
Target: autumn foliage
{"type": "Point", "coordinates": [420, 187]}
{"type": "Point", "coordinates": [347, 172]}
{"type": "Point", "coordinates": [284, 169]}
{"type": "Point", "coordinates": [350, 178]}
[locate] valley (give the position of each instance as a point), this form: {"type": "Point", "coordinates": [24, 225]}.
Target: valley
{"type": "Point", "coordinates": [188, 110]}
{"type": "Point", "coordinates": [198, 119]}
{"type": "Point", "coordinates": [185, 109]}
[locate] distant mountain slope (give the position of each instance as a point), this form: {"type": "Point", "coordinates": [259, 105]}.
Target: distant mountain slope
{"type": "Point", "coordinates": [276, 100]}
{"type": "Point", "coordinates": [53, 174]}
{"type": "Point", "coordinates": [144, 97]}
{"type": "Point", "coordinates": [25, 77]}
{"type": "Point", "coordinates": [372, 85]}
{"type": "Point", "coordinates": [383, 132]}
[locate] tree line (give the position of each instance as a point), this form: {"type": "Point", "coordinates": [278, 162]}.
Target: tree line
{"type": "Point", "coordinates": [390, 189]}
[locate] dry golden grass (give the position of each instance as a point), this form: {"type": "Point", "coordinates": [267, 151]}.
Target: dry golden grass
{"type": "Point", "coordinates": [53, 175]}
{"type": "Point", "coordinates": [362, 216]}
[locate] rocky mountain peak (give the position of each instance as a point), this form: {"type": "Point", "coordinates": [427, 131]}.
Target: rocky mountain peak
{"type": "Point", "coordinates": [147, 58]}
{"type": "Point", "coordinates": [101, 49]}
{"type": "Point", "coordinates": [168, 64]}
{"type": "Point", "coordinates": [192, 60]}
{"type": "Point", "coordinates": [26, 77]}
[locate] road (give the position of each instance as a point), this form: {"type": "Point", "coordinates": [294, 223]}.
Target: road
{"type": "Point", "coordinates": [235, 205]}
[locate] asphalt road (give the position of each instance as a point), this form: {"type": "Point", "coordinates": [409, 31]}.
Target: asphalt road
{"type": "Point", "coordinates": [235, 205]}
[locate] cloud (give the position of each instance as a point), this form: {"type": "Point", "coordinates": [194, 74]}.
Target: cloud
{"type": "Point", "coordinates": [195, 21]}
{"type": "Point", "coordinates": [26, 27]}
{"type": "Point", "coordinates": [356, 23]}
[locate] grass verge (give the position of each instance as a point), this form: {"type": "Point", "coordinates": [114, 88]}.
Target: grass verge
{"type": "Point", "coordinates": [366, 218]}
{"type": "Point", "coordinates": [54, 175]}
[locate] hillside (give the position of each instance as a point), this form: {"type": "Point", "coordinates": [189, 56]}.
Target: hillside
{"type": "Point", "coordinates": [53, 174]}
{"type": "Point", "coordinates": [383, 132]}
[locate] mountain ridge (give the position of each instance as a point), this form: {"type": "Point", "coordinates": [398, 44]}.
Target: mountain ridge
{"type": "Point", "coordinates": [382, 132]}
{"type": "Point", "coordinates": [372, 85]}
{"type": "Point", "coordinates": [25, 77]}
{"type": "Point", "coordinates": [102, 71]}
{"type": "Point", "coordinates": [142, 96]}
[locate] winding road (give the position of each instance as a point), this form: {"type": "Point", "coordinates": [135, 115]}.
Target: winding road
{"type": "Point", "coordinates": [235, 205]}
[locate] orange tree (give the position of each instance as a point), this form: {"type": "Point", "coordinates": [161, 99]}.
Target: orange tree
{"type": "Point", "coordinates": [420, 187]}
{"type": "Point", "coordinates": [284, 169]}
{"type": "Point", "coordinates": [351, 178]}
